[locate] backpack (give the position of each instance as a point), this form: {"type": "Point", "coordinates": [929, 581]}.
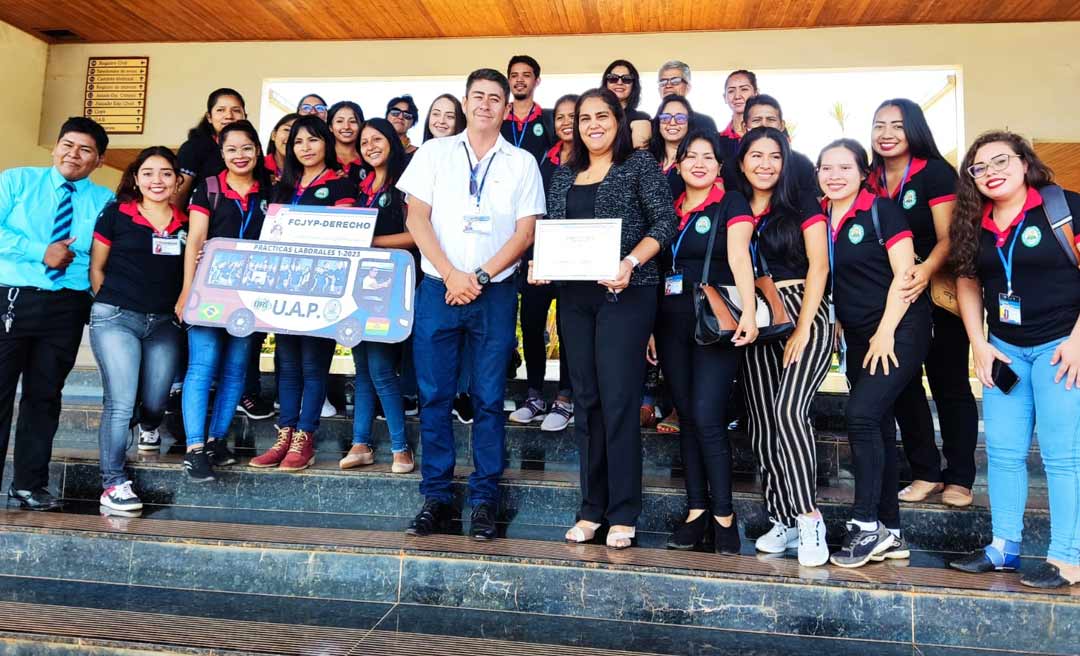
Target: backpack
{"type": "Point", "coordinates": [1060, 218]}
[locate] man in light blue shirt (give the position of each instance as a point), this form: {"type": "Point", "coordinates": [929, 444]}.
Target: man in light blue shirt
{"type": "Point", "coordinates": [47, 218]}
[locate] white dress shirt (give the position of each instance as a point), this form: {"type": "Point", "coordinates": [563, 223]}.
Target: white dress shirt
{"type": "Point", "coordinates": [512, 190]}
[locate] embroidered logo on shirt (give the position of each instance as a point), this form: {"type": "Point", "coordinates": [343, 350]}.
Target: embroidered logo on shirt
{"type": "Point", "coordinates": [383, 201]}
{"type": "Point", "coordinates": [1031, 236]}
{"type": "Point", "coordinates": [262, 207]}
{"type": "Point", "coordinates": [909, 199]}
{"type": "Point", "coordinates": [322, 193]}
{"type": "Point", "coordinates": [538, 130]}
{"type": "Point", "coordinates": [856, 234]}
{"type": "Point", "coordinates": [702, 225]}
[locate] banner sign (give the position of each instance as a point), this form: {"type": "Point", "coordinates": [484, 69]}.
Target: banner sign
{"type": "Point", "coordinates": [342, 293]}
{"type": "Point", "coordinates": [330, 226]}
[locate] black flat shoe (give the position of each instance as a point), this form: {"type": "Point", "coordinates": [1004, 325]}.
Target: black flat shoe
{"type": "Point", "coordinates": [483, 523]}
{"type": "Point", "coordinates": [39, 499]}
{"type": "Point", "coordinates": [1045, 576]}
{"type": "Point", "coordinates": [431, 518]}
{"type": "Point", "coordinates": [689, 535]}
{"type": "Point", "coordinates": [977, 562]}
{"type": "Point", "coordinates": [726, 540]}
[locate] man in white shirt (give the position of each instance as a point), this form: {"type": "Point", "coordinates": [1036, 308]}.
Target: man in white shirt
{"type": "Point", "coordinates": [473, 202]}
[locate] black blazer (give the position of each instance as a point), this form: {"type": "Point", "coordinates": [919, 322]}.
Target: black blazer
{"type": "Point", "coordinates": [634, 191]}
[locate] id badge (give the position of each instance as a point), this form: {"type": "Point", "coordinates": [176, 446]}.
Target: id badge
{"type": "Point", "coordinates": [477, 224]}
{"type": "Point", "coordinates": [1009, 309]}
{"type": "Point", "coordinates": [673, 284]}
{"type": "Point", "coordinates": [832, 314]}
{"type": "Point", "coordinates": [166, 246]}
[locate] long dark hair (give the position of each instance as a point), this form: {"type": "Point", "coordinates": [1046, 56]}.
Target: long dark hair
{"type": "Point", "coordinates": [964, 231]}
{"type": "Point", "coordinates": [656, 142]}
{"type": "Point", "coordinates": [271, 147]}
{"type": "Point", "coordinates": [621, 149]}
{"type": "Point", "coordinates": [261, 173]}
{"type": "Point", "coordinates": [294, 170]}
{"type": "Point", "coordinates": [459, 112]}
{"type": "Point", "coordinates": [204, 127]}
{"type": "Point", "coordinates": [920, 139]}
{"type": "Point", "coordinates": [635, 92]}
{"type": "Point", "coordinates": [784, 232]}
{"type": "Point", "coordinates": [396, 162]}
{"type": "Point", "coordinates": [128, 190]}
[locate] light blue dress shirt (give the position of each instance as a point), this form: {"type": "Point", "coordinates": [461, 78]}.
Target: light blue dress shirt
{"type": "Point", "coordinates": [29, 199]}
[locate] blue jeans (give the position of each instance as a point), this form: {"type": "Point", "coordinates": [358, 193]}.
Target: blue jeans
{"type": "Point", "coordinates": [375, 374]}
{"type": "Point", "coordinates": [137, 354]}
{"type": "Point", "coordinates": [1010, 419]}
{"type": "Point", "coordinates": [485, 328]}
{"type": "Point", "coordinates": [213, 351]}
{"type": "Point", "coordinates": [305, 366]}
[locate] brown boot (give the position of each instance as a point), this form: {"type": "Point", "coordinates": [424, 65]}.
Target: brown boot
{"type": "Point", "coordinates": [358, 456]}
{"type": "Point", "coordinates": [275, 454]}
{"type": "Point", "coordinates": [301, 452]}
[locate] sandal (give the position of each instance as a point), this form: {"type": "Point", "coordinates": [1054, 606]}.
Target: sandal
{"type": "Point", "coordinates": [647, 416]}
{"type": "Point", "coordinates": [621, 537]}
{"type": "Point", "coordinates": [582, 531]}
{"type": "Point", "coordinates": [670, 424]}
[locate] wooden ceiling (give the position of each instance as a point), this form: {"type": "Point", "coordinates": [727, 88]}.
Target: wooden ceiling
{"type": "Point", "coordinates": [105, 21]}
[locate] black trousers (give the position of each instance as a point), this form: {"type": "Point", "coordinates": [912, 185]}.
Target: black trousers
{"type": "Point", "coordinates": [700, 380]}
{"type": "Point", "coordinates": [947, 372]}
{"type": "Point", "coordinates": [871, 421]}
{"type": "Point", "coordinates": [535, 302]}
{"type": "Point", "coordinates": [41, 348]}
{"type": "Point", "coordinates": [605, 350]}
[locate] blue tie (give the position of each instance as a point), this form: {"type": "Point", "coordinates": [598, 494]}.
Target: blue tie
{"type": "Point", "coordinates": [65, 212]}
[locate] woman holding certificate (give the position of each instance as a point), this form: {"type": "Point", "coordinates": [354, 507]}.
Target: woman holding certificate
{"type": "Point", "coordinates": [606, 324]}
{"type": "Point", "coordinates": [713, 246]}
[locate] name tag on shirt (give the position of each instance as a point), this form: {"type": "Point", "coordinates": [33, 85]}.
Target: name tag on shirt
{"type": "Point", "coordinates": [166, 246]}
{"type": "Point", "coordinates": [1009, 309]}
{"type": "Point", "coordinates": [477, 224]}
{"type": "Point", "coordinates": [673, 284]}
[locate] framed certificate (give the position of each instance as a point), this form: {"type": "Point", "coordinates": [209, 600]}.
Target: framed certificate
{"type": "Point", "coordinates": [577, 249]}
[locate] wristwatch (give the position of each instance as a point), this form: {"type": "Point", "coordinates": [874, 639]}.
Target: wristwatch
{"type": "Point", "coordinates": [482, 276]}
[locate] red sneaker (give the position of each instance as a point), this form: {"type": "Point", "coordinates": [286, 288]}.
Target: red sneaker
{"type": "Point", "coordinates": [276, 453]}
{"type": "Point", "coordinates": [301, 452]}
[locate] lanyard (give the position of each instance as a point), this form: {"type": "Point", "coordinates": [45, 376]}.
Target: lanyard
{"type": "Point", "coordinates": [675, 247]}
{"type": "Point", "coordinates": [300, 191]}
{"type": "Point", "coordinates": [472, 174]}
{"type": "Point", "coordinates": [374, 196]}
{"type": "Point", "coordinates": [513, 131]}
{"type": "Point", "coordinates": [903, 180]}
{"type": "Point", "coordinates": [1007, 263]}
{"type": "Point", "coordinates": [754, 243]}
{"type": "Point", "coordinates": [246, 217]}
{"type": "Point", "coordinates": [832, 255]}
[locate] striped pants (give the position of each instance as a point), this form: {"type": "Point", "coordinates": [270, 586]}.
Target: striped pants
{"type": "Point", "coordinates": [778, 403]}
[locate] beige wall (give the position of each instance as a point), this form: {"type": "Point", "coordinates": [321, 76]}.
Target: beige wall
{"type": "Point", "coordinates": [22, 74]}
{"type": "Point", "coordinates": [1023, 76]}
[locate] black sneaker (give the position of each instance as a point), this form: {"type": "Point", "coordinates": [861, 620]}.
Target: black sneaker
{"type": "Point", "coordinates": [149, 440]}
{"type": "Point", "coordinates": [197, 466]}
{"type": "Point", "coordinates": [431, 518]}
{"type": "Point", "coordinates": [463, 409]}
{"type": "Point", "coordinates": [412, 408]}
{"type": "Point", "coordinates": [898, 551]}
{"type": "Point", "coordinates": [255, 407]}
{"type": "Point", "coordinates": [861, 546]}
{"type": "Point", "coordinates": [39, 499]}
{"type": "Point", "coordinates": [219, 453]}
{"type": "Point", "coordinates": [1046, 576]}
{"type": "Point", "coordinates": [483, 523]}
{"type": "Point", "coordinates": [120, 497]}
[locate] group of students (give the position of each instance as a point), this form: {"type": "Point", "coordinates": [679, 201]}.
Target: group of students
{"type": "Point", "coordinates": [852, 244]}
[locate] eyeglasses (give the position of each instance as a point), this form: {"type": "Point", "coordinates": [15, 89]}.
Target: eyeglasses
{"type": "Point", "coordinates": [312, 108]}
{"type": "Point", "coordinates": [611, 78]}
{"type": "Point", "coordinates": [232, 151]}
{"type": "Point", "coordinates": [401, 113]}
{"type": "Point", "coordinates": [996, 164]}
{"type": "Point", "coordinates": [677, 119]}
{"type": "Point", "coordinates": [670, 82]}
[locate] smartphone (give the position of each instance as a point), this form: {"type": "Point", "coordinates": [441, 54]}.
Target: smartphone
{"type": "Point", "coordinates": [1003, 377]}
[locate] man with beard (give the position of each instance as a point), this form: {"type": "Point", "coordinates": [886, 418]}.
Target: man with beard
{"type": "Point", "coordinates": [527, 126]}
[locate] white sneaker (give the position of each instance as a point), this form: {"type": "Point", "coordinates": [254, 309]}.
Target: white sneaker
{"type": "Point", "coordinates": [328, 409]}
{"type": "Point", "coordinates": [532, 410]}
{"type": "Point", "coordinates": [779, 539]}
{"type": "Point", "coordinates": [813, 550]}
{"type": "Point", "coordinates": [561, 416]}
{"type": "Point", "coordinates": [121, 497]}
{"type": "Point", "coordinates": [149, 440]}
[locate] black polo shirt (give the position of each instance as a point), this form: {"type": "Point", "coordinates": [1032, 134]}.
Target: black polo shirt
{"type": "Point", "coordinates": [535, 134]}
{"type": "Point", "coordinates": [232, 215]}
{"type": "Point", "coordinates": [861, 271]}
{"type": "Point", "coordinates": [704, 122]}
{"type": "Point", "coordinates": [927, 183]}
{"type": "Point", "coordinates": [354, 171]}
{"type": "Point", "coordinates": [137, 278]}
{"type": "Point", "coordinates": [200, 158]}
{"type": "Point", "coordinates": [329, 189]}
{"type": "Point", "coordinates": [675, 181]}
{"type": "Point", "coordinates": [1046, 282]}
{"type": "Point", "coordinates": [692, 241]}
{"type": "Point", "coordinates": [388, 200]}
{"type": "Point", "coordinates": [782, 263]}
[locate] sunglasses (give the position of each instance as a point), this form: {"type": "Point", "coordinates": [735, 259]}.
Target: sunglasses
{"type": "Point", "coordinates": [611, 78]}
{"type": "Point", "coordinates": [670, 82]}
{"type": "Point", "coordinates": [997, 164]}
{"type": "Point", "coordinates": [401, 113]}
{"type": "Point", "coordinates": [677, 119]}
{"type": "Point", "coordinates": [312, 108]}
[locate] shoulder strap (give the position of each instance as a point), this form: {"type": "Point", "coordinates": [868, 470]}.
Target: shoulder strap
{"type": "Point", "coordinates": [213, 191]}
{"type": "Point", "coordinates": [877, 222]}
{"type": "Point", "coordinates": [1060, 217]}
{"type": "Point", "coordinates": [708, 252]}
